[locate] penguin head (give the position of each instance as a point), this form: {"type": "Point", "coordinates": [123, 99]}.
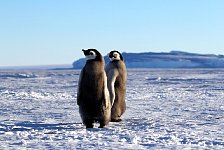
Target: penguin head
{"type": "Point", "coordinates": [92, 54]}
{"type": "Point", "coordinates": [115, 55]}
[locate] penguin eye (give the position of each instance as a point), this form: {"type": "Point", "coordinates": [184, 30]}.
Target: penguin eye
{"type": "Point", "coordinates": [115, 55]}
{"type": "Point", "coordinates": [92, 53]}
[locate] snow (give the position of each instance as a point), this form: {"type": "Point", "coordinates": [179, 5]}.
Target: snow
{"type": "Point", "coordinates": [166, 109]}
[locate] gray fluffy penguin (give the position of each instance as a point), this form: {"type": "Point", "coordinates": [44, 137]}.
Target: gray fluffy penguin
{"type": "Point", "coordinates": [116, 80]}
{"type": "Point", "coordinates": [93, 96]}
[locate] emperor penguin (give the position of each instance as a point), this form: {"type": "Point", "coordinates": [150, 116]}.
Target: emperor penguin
{"type": "Point", "coordinates": [116, 79]}
{"type": "Point", "coordinates": [93, 96]}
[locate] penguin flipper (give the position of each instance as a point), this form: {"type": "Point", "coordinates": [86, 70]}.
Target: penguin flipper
{"type": "Point", "coordinates": [79, 88]}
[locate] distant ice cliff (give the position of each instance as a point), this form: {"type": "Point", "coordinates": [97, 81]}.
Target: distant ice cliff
{"type": "Point", "coordinates": [173, 59]}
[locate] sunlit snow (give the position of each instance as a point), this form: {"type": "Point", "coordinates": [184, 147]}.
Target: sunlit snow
{"type": "Point", "coordinates": [166, 109]}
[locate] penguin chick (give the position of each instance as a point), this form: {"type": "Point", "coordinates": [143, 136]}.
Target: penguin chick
{"type": "Point", "coordinates": [116, 79]}
{"type": "Point", "coordinates": [93, 96]}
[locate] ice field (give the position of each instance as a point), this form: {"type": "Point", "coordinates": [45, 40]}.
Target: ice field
{"type": "Point", "coordinates": [166, 109]}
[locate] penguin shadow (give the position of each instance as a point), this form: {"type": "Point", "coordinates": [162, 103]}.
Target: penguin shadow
{"type": "Point", "coordinates": [96, 129]}
{"type": "Point", "coordinates": [134, 124]}
{"type": "Point", "coordinates": [38, 126]}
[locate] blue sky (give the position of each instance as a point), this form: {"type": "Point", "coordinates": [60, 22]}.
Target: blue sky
{"type": "Point", "coordinates": [39, 32]}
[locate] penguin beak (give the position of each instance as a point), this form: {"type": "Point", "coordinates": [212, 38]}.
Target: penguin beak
{"type": "Point", "coordinates": [84, 51]}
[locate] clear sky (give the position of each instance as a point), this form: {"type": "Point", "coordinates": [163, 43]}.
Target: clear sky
{"type": "Point", "coordinates": [39, 32]}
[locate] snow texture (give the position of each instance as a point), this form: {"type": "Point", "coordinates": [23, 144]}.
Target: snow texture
{"type": "Point", "coordinates": [166, 109]}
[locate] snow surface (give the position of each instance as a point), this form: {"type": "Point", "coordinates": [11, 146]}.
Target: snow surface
{"type": "Point", "coordinates": [166, 109]}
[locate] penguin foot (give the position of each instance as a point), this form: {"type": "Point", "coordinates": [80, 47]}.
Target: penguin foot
{"type": "Point", "coordinates": [89, 125]}
{"type": "Point", "coordinates": [116, 120]}
{"type": "Point", "coordinates": [101, 126]}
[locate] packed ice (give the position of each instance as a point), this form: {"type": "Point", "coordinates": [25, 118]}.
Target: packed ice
{"type": "Point", "coordinates": [166, 109]}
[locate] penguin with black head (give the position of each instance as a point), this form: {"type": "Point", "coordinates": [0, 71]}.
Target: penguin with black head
{"type": "Point", "coordinates": [116, 80]}
{"type": "Point", "coordinates": [93, 96]}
